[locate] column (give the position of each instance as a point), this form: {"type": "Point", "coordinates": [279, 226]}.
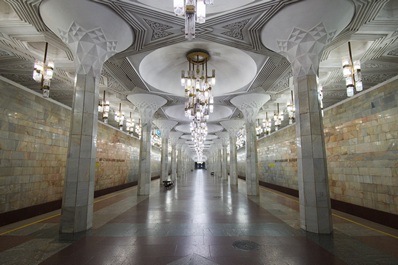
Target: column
{"type": "Point", "coordinates": [249, 105]}
{"type": "Point", "coordinates": [224, 137]}
{"type": "Point", "coordinates": [164, 126]}
{"type": "Point", "coordinates": [174, 136]}
{"type": "Point", "coordinates": [233, 126]}
{"type": "Point", "coordinates": [91, 49]}
{"type": "Point", "coordinates": [179, 146]}
{"type": "Point", "coordinates": [147, 105]}
{"type": "Point", "coordinates": [303, 47]}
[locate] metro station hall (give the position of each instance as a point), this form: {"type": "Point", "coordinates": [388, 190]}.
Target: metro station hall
{"type": "Point", "coordinates": [199, 132]}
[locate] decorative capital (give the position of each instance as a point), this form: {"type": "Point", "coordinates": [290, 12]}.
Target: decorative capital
{"type": "Point", "coordinates": [224, 137]}
{"type": "Point", "coordinates": [250, 104]}
{"type": "Point", "coordinates": [174, 136]}
{"type": "Point", "coordinates": [232, 126]}
{"type": "Point", "coordinates": [91, 48]}
{"type": "Point", "coordinates": [304, 49]}
{"type": "Point", "coordinates": [146, 104]}
{"type": "Point", "coordinates": [165, 127]}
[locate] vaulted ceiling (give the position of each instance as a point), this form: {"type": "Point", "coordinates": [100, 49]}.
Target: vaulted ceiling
{"type": "Point", "coordinates": [232, 36]}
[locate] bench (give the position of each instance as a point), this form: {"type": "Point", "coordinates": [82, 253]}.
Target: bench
{"type": "Point", "coordinates": [168, 183]}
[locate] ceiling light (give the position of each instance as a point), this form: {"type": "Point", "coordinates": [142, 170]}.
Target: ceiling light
{"type": "Point", "coordinates": [103, 107]}
{"type": "Point", "coordinates": [352, 74]}
{"type": "Point", "coordinates": [193, 11]}
{"type": "Point", "coordinates": [43, 73]}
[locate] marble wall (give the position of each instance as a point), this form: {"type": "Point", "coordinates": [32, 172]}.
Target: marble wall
{"type": "Point", "coordinates": [361, 136]}
{"type": "Point", "coordinates": [33, 149]}
{"type": "Point", "coordinates": [277, 158]}
{"type": "Point", "coordinates": [33, 146]}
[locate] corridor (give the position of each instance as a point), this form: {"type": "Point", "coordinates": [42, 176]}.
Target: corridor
{"type": "Point", "coordinates": [202, 220]}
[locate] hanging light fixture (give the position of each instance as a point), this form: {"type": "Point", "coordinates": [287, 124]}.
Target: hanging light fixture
{"type": "Point", "coordinates": [103, 106]}
{"type": "Point", "coordinates": [259, 129]}
{"type": "Point", "coordinates": [278, 118]}
{"type": "Point", "coordinates": [198, 86]}
{"type": "Point", "coordinates": [291, 109]}
{"type": "Point", "coordinates": [130, 125]}
{"type": "Point", "coordinates": [43, 72]}
{"type": "Point", "coordinates": [352, 74]}
{"type": "Point", "coordinates": [193, 11]}
{"type": "Point", "coordinates": [119, 117]}
{"type": "Point", "coordinates": [268, 124]}
{"type": "Point", "coordinates": [138, 128]}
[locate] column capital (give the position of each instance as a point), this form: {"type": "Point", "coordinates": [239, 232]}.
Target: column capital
{"type": "Point", "coordinates": [165, 126]}
{"type": "Point", "coordinates": [224, 137]}
{"type": "Point", "coordinates": [232, 126]}
{"type": "Point", "coordinates": [302, 39]}
{"type": "Point", "coordinates": [250, 104]}
{"type": "Point", "coordinates": [147, 104]}
{"type": "Point", "coordinates": [174, 136]}
{"type": "Point", "coordinates": [91, 46]}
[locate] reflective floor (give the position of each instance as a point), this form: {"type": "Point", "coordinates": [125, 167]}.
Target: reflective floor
{"type": "Point", "coordinates": [202, 220]}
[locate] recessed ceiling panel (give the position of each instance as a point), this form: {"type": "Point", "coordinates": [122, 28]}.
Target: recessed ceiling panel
{"type": "Point", "coordinates": [162, 68]}
{"type": "Point", "coordinates": [218, 6]}
{"type": "Point", "coordinates": [177, 112]}
{"type": "Point", "coordinates": [186, 128]}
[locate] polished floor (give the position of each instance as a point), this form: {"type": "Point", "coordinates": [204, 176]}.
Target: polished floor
{"type": "Point", "coordinates": [202, 220]}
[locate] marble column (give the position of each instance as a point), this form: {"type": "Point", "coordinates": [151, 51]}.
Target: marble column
{"type": "Point", "coordinates": [147, 105]}
{"type": "Point", "coordinates": [218, 158]}
{"type": "Point", "coordinates": [224, 137]}
{"type": "Point", "coordinates": [164, 126]}
{"type": "Point", "coordinates": [174, 136]}
{"type": "Point", "coordinates": [303, 46]}
{"type": "Point", "coordinates": [250, 105]}
{"type": "Point", "coordinates": [179, 146]}
{"type": "Point", "coordinates": [233, 126]}
{"type": "Point", "coordinates": [91, 47]}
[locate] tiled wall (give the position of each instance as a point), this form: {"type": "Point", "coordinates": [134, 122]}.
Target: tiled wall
{"type": "Point", "coordinates": [361, 138]}
{"type": "Point", "coordinates": [33, 147]}
{"type": "Point", "coordinates": [277, 158]}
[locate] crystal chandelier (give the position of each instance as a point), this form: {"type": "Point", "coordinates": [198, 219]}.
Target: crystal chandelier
{"type": "Point", "coordinates": [198, 86]}
{"type": "Point", "coordinates": [193, 11]}
{"type": "Point", "coordinates": [103, 106]}
{"type": "Point", "coordinates": [352, 74]}
{"type": "Point", "coordinates": [267, 124]}
{"type": "Point", "coordinates": [119, 117]}
{"type": "Point", "coordinates": [241, 138]}
{"type": "Point", "coordinates": [43, 72]}
{"type": "Point", "coordinates": [278, 118]}
{"type": "Point", "coordinates": [138, 128]}
{"type": "Point", "coordinates": [130, 125]}
{"type": "Point", "coordinates": [291, 109]}
{"type": "Point", "coordinates": [156, 139]}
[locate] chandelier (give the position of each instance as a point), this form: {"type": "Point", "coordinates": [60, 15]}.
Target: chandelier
{"type": "Point", "coordinates": [291, 109]}
{"type": "Point", "coordinates": [138, 128]}
{"type": "Point", "coordinates": [198, 86]}
{"type": "Point", "coordinates": [352, 74]}
{"type": "Point", "coordinates": [119, 117]}
{"type": "Point", "coordinates": [241, 138]}
{"type": "Point", "coordinates": [130, 125]}
{"type": "Point", "coordinates": [103, 106]}
{"type": "Point", "coordinates": [193, 11]}
{"type": "Point", "coordinates": [278, 117]}
{"type": "Point", "coordinates": [43, 72]}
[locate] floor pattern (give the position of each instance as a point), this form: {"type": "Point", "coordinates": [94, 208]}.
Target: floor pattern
{"type": "Point", "coordinates": [199, 221]}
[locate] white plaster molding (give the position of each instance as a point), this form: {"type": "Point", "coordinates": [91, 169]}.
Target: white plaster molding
{"type": "Point", "coordinates": [250, 104]}
{"type": "Point", "coordinates": [147, 104]}
{"type": "Point", "coordinates": [90, 47]}
{"type": "Point", "coordinates": [232, 126]}
{"type": "Point", "coordinates": [165, 126]}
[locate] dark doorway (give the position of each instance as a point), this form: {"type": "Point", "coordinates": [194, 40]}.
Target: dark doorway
{"type": "Point", "coordinates": [200, 165]}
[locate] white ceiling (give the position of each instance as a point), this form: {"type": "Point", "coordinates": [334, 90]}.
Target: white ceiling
{"type": "Point", "coordinates": [234, 34]}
